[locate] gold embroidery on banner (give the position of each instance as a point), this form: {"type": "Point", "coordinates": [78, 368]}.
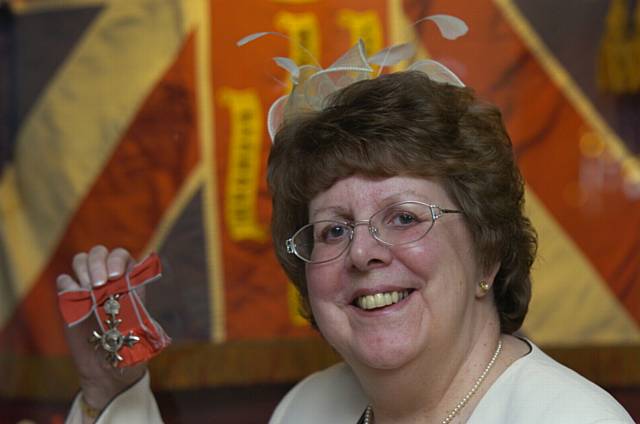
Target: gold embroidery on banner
{"type": "Point", "coordinates": [364, 25]}
{"type": "Point", "coordinates": [303, 30]}
{"type": "Point", "coordinates": [243, 173]}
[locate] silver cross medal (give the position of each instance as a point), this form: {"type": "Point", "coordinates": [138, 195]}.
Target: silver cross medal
{"type": "Point", "coordinates": [112, 340]}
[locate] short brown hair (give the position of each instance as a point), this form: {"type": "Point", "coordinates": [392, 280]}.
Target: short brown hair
{"type": "Point", "coordinates": [406, 124]}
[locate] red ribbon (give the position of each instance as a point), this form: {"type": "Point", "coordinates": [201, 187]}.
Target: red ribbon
{"type": "Point", "coordinates": [76, 305]}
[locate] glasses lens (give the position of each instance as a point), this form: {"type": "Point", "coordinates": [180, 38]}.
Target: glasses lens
{"type": "Point", "coordinates": [402, 223]}
{"type": "Point", "coordinates": [322, 240]}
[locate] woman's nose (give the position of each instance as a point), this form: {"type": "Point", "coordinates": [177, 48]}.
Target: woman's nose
{"type": "Point", "coordinates": [365, 251]}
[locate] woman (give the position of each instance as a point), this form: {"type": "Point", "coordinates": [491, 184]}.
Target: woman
{"type": "Point", "coordinates": [398, 216]}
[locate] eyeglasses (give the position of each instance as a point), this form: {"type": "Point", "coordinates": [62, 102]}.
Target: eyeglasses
{"type": "Point", "coordinates": [396, 224]}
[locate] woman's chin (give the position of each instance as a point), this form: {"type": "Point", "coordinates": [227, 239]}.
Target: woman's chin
{"type": "Point", "coordinates": [389, 344]}
{"type": "Point", "coordinates": [381, 355]}
{"type": "Point", "coordinates": [383, 364]}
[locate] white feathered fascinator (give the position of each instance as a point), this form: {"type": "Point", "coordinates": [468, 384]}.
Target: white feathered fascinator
{"type": "Point", "coordinates": [313, 84]}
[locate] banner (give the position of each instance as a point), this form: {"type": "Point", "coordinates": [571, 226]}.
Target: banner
{"type": "Point", "coordinates": [141, 124]}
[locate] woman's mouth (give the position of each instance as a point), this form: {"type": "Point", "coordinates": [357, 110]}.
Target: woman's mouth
{"type": "Point", "coordinates": [380, 300]}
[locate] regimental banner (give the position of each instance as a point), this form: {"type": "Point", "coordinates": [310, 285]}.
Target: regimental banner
{"type": "Point", "coordinates": [142, 125]}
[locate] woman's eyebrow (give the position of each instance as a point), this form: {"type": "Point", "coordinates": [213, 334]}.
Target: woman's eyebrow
{"type": "Point", "coordinates": [403, 196]}
{"type": "Point", "coordinates": [329, 210]}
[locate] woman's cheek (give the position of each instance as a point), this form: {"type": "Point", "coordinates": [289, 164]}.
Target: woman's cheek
{"type": "Point", "coordinates": [322, 282]}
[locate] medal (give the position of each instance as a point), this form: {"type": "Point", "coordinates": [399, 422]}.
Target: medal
{"type": "Point", "coordinates": [127, 334]}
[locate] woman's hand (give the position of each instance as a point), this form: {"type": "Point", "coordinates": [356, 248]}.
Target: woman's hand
{"type": "Point", "coordinates": [99, 381]}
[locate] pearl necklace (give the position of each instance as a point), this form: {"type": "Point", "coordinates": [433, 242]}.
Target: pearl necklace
{"type": "Point", "coordinates": [368, 413]}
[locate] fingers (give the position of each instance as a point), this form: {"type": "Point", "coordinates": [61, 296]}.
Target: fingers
{"type": "Point", "coordinates": [81, 269]}
{"type": "Point", "coordinates": [97, 262]}
{"type": "Point", "coordinates": [117, 262]}
{"type": "Point", "coordinates": [96, 267]}
{"type": "Point", "coordinates": [65, 282]}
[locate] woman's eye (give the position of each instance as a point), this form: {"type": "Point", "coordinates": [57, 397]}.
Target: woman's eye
{"type": "Point", "coordinates": [402, 219]}
{"type": "Point", "coordinates": [333, 233]}
{"type": "Point", "coordinates": [405, 219]}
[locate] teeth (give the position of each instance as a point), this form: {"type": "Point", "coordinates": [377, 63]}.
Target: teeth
{"type": "Point", "coordinates": [380, 300]}
{"type": "Point", "coordinates": [369, 303]}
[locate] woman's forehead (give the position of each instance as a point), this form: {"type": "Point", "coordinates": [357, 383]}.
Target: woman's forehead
{"type": "Point", "coordinates": [359, 193]}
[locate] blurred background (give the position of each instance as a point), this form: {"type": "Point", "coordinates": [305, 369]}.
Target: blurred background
{"type": "Point", "coordinates": [140, 123]}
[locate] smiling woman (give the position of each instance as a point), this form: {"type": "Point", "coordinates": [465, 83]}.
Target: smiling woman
{"type": "Point", "coordinates": [398, 215]}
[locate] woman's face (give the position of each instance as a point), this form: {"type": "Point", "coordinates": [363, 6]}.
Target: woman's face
{"type": "Point", "coordinates": [439, 273]}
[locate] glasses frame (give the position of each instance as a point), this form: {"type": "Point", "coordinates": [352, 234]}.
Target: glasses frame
{"type": "Point", "coordinates": [436, 213]}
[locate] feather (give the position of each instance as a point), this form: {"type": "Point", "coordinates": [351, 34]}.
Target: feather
{"type": "Point", "coordinates": [352, 58]}
{"type": "Point", "coordinates": [249, 38]}
{"type": "Point", "coordinates": [450, 27]}
{"type": "Point", "coordinates": [275, 117]}
{"type": "Point", "coordinates": [288, 65]}
{"type": "Point", "coordinates": [437, 72]}
{"type": "Point", "coordinates": [392, 55]}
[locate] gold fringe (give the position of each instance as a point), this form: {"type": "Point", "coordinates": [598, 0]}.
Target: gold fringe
{"type": "Point", "coordinates": [634, 75]}
{"type": "Point", "coordinates": [619, 55]}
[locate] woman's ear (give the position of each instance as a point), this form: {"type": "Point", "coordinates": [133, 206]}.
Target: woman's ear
{"type": "Point", "coordinates": [485, 285]}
